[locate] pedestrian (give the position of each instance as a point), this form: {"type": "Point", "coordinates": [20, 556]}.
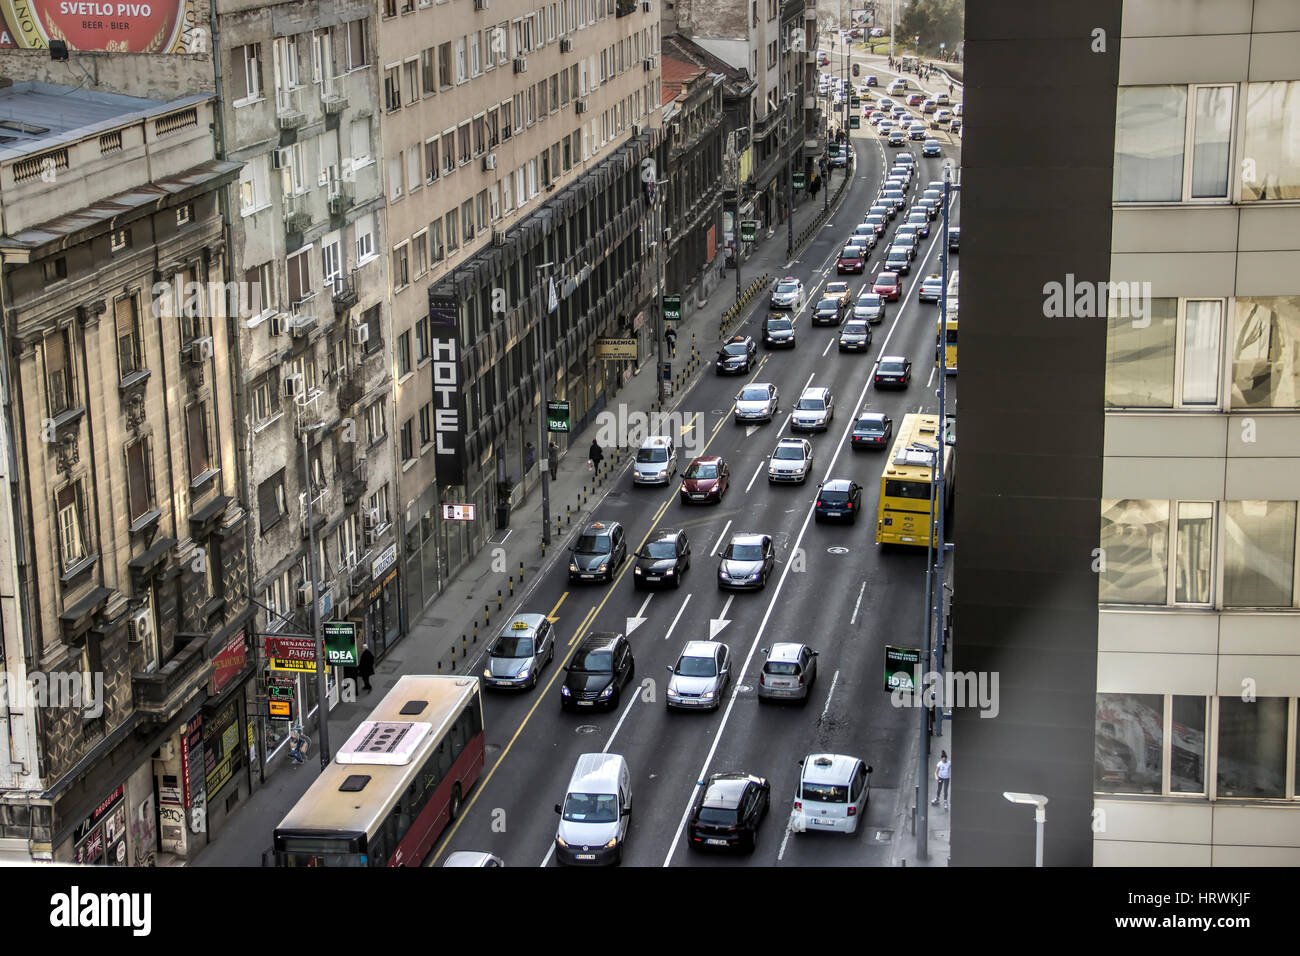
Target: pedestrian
{"type": "Point", "coordinates": [942, 774]}
{"type": "Point", "coordinates": [670, 336]}
{"type": "Point", "coordinates": [950, 87]}
{"type": "Point", "coordinates": [530, 455]}
{"type": "Point", "coordinates": [595, 456]}
{"type": "Point", "coordinates": [366, 666]}
{"type": "Point", "coordinates": [553, 458]}
{"type": "Point", "coordinates": [298, 745]}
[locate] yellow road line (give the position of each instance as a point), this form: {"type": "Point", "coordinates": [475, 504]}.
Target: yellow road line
{"type": "Point", "coordinates": [551, 616]}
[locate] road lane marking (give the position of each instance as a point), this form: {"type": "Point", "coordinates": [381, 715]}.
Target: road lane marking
{"type": "Point", "coordinates": [786, 839]}
{"type": "Point", "coordinates": [714, 550]}
{"type": "Point", "coordinates": [716, 624]}
{"type": "Point", "coordinates": [828, 346]}
{"type": "Point", "coordinates": [858, 603]}
{"type": "Point", "coordinates": [634, 622]}
{"type": "Point", "coordinates": [755, 478]}
{"type": "Point", "coordinates": [676, 617]}
{"type": "Point", "coordinates": [834, 680]}
{"type": "Point", "coordinates": [551, 617]}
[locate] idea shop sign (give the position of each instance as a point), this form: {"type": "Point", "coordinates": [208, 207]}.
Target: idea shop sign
{"type": "Point", "coordinates": [155, 26]}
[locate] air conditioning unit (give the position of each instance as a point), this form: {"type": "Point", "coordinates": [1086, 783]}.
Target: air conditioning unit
{"type": "Point", "coordinates": [282, 158]}
{"type": "Point", "coordinates": [480, 4]}
{"type": "Point", "coordinates": [566, 44]}
{"type": "Point", "coordinates": [498, 237]}
{"type": "Point", "coordinates": [201, 350]}
{"type": "Point", "coordinates": [304, 595]}
{"type": "Point", "coordinates": [275, 325]}
{"type": "Point", "coordinates": [294, 385]}
{"type": "Point", "coordinates": [371, 521]}
{"type": "Point", "coordinates": [140, 627]}
{"type": "Point", "coordinates": [648, 63]}
{"type": "Point", "coordinates": [360, 334]}
{"type": "Point", "coordinates": [580, 105]}
{"type": "Point", "coordinates": [490, 161]}
{"type": "Point", "coordinates": [521, 64]}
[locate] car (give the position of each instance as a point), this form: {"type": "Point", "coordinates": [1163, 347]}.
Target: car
{"type": "Point", "coordinates": [828, 311]}
{"type": "Point", "coordinates": [598, 552]}
{"type": "Point", "coordinates": [788, 294]}
{"type": "Point", "coordinates": [893, 194]}
{"type": "Point", "coordinates": [954, 238]}
{"type": "Point", "coordinates": [705, 479]}
{"type": "Point", "coordinates": [778, 330]}
{"type": "Point", "coordinates": [737, 356]}
{"type": "Point", "coordinates": [941, 119]}
{"type": "Point", "coordinates": [839, 158]}
{"type": "Point", "coordinates": [897, 87]}
{"type": "Point", "coordinates": [931, 205]}
{"type": "Point", "coordinates": [909, 240]}
{"type": "Point", "coordinates": [728, 811]}
{"type": "Point", "coordinates": [907, 232]}
{"type": "Point", "coordinates": [519, 652]}
{"type": "Point", "coordinates": [871, 80]}
{"type": "Point", "coordinates": [866, 232]}
{"type": "Point", "coordinates": [918, 132]}
{"type": "Point", "coordinates": [906, 120]}
{"type": "Point", "coordinates": [955, 125]}
{"type": "Point", "coordinates": [472, 858]}
{"type": "Point", "coordinates": [915, 99]}
{"type": "Point", "coordinates": [600, 668]}
{"type": "Point", "coordinates": [756, 402]}
{"type": "Point", "coordinates": [957, 110]}
{"type": "Point", "coordinates": [896, 182]}
{"type": "Point", "coordinates": [903, 172]}
{"type": "Point", "coordinates": [894, 371]}
{"type": "Point", "coordinates": [931, 148]}
{"type": "Point", "coordinates": [885, 127]}
{"type": "Point", "coordinates": [656, 461]}
{"type": "Point", "coordinates": [875, 116]}
{"type": "Point", "coordinates": [935, 193]}
{"type": "Point", "coordinates": [941, 99]}
{"type": "Point", "coordinates": [886, 103]}
{"type": "Point", "coordinates": [878, 222]}
{"type": "Point", "coordinates": [899, 259]}
{"type": "Point", "coordinates": [904, 157]}
{"type": "Point", "coordinates": [870, 307]}
{"type": "Point", "coordinates": [788, 673]}
{"type": "Point", "coordinates": [888, 286]}
{"type": "Point", "coordinates": [791, 460]}
{"type": "Point", "coordinates": [898, 111]}
{"type": "Point", "coordinates": [929, 106]}
{"type": "Point", "coordinates": [700, 676]}
{"type": "Point", "coordinates": [931, 288]}
{"type": "Point", "coordinates": [747, 561]}
{"type": "Point", "coordinates": [885, 211]}
{"type": "Point", "coordinates": [919, 217]}
{"type": "Point", "coordinates": [933, 184]}
{"type": "Point", "coordinates": [855, 336]}
{"type": "Point", "coordinates": [877, 31]}
{"type": "Point", "coordinates": [832, 794]}
{"type": "Point", "coordinates": [871, 430]}
{"type": "Point", "coordinates": [663, 559]}
{"type": "Point", "coordinates": [850, 259]}
{"type": "Point", "coordinates": [814, 410]}
{"type": "Point", "coordinates": [596, 812]}
{"type": "Point", "coordinates": [838, 498]}
{"type": "Point", "coordinates": [839, 290]}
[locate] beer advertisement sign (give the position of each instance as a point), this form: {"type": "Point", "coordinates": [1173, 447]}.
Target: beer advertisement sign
{"type": "Point", "coordinates": [150, 26]}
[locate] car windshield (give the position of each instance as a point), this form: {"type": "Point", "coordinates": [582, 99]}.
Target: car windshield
{"type": "Point", "coordinates": [934, 282]}
{"type": "Point", "coordinates": [828, 305]}
{"type": "Point", "coordinates": [663, 548]}
{"type": "Point", "coordinates": [507, 646]}
{"type": "Point", "coordinates": [717, 816]}
{"type": "Point", "coordinates": [734, 348]}
{"type": "Point", "coordinates": [825, 792]}
{"type": "Point", "coordinates": [787, 287]}
{"type": "Point", "coordinates": [855, 327]}
{"type": "Point", "coordinates": [886, 282]}
{"type": "Point", "coordinates": [850, 252]}
{"type": "Point", "coordinates": [592, 544]}
{"type": "Point", "coordinates": [774, 325]}
{"type": "Point", "coordinates": [781, 668]}
{"type": "Point", "coordinates": [591, 808]}
{"type": "Point", "coordinates": [652, 454]}
{"type": "Point", "coordinates": [744, 552]}
{"type": "Point", "coordinates": [702, 471]}
{"type": "Point", "coordinates": [870, 426]}
{"type": "Point", "coordinates": [697, 667]}
{"type": "Point", "coordinates": [754, 395]}
{"type": "Point", "coordinates": [869, 300]}
{"type": "Point", "coordinates": [917, 217]}
{"type": "Point", "coordinates": [789, 452]}
{"type": "Point", "coordinates": [811, 404]}
{"type": "Point", "coordinates": [891, 366]}
{"type": "Point", "coordinates": [593, 662]}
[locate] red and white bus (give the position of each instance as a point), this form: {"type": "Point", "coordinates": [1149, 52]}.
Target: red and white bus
{"type": "Point", "coordinates": [395, 785]}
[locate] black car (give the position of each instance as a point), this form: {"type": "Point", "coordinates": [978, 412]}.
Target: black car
{"type": "Point", "coordinates": [954, 237]}
{"type": "Point", "coordinates": [855, 336]}
{"type": "Point", "coordinates": [599, 551]}
{"type": "Point", "coordinates": [728, 811]}
{"type": "Point", "coordinates": [737, 356]}
{"type": "Point", "coordinates": [872, 430]}
{"type": "Point", "coordinates": [663, 560]}
{"type": "Point", "coordinates": [747, 561]}
{"type": "Point", "coordinates": [601, 666]}
{"type": "Point", "coordinates": [778, 331]}
{"type": "Point", "coordinates": [838, 498]}
{"type": "Point", "coordinates": [829, 311]}
{"type": "Point", "coordinates": [893, 371]}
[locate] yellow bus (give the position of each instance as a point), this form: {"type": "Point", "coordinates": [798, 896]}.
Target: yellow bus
{"type": "Point", "coordinates": [950, 339]}
{"type": "Point", "coordinates": [904, 515]}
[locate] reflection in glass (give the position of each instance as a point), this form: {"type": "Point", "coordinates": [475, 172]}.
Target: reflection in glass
{"type": "Point", "coordinates": [1252, 747]}
{"type": "Point", "coordinates": [1266, 353]}
{"type": "Point", "coordinates": [1201, 326]}
{"type": "Point", "coordinates": [1128, 743]}
{"type": "Point", "coordinates": [1258, 553]}
{"type": "Point", "coordinates": [1150, 128]}
{"type": "Point", "coordinates": [1195, 540]}
{"type": "Point", "coordinates": [1271, 144]}
{"type": "Point", "coordinates": [1134, 542]}
{"type": "Point", "coordinates": [1210, 142]}
{"type": "Point", "coordinates": [1187, 745]}
{"type": "Point", "coordinates": [1140, 361]}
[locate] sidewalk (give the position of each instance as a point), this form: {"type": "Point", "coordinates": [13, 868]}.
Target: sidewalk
{"type": "Point", "coordinates": [903, 851]}
{"type": "Point", "coordinates": [456, 627]}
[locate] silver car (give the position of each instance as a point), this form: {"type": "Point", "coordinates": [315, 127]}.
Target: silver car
{"type": "Point", "coordinates": [656, 462]}
{"type": "Point", "coordinates": [791, 461]}
{"type": "Point", "coordinates": [756, 402]}
{"type": "Point", "coordinates": [788, 672]}
{"type": "Point", "coordinates": [814, 410]}
{"type": "Point", "coordinates": [472, 858]}
{"type": "Point", "coordinates": [700, 676]}
{"type": "Point", "coordinates": [747, 562]}
{"type": "Point", "coordinates": [516, 658]}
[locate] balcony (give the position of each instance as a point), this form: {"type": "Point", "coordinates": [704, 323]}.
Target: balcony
{"type": "Point", "coordinates": [287, 111]}
{"type": "Point", "coordinates": [343, 291]}
{"type": "Point", "coordinates": [333, 95]}
{"type": "Point", "coordinates": [297, 217]}
{"type": "Point", "coordinates": [351, 388]}
{"type": "Point", "coordinates": [340, 200]}
{"type": "Point", "coordinates": [161, 694]}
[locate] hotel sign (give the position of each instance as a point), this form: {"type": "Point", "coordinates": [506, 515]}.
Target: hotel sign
{"type": "Point", "coordinates": [448, 402]}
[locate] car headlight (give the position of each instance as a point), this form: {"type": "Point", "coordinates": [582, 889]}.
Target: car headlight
{"type": "Point", "coordinates": [565, 692]}
{"type": "Point", "coordinates": [753, 577]}
{"type": "Point", "coordinates": [707, 695]}
{"type": "Point", "coordinates": [559, 841]}
{"type": "Point", "coordinates": [636, 570]}
{"type": "Point", "coordinates": [573, 566]}
{"type": "Point", "coordinates": [487, 672]}
{"type": "Point", "coordinates": [612, 843]}
{"type": "Point", "coordinates": [607, 691]}
{"type": "Point", "coordinates": [523, 674]}
{"type": "Point", "coordinates": [670, 571]}
{"type": "Point", "coordinates": [603, 566]}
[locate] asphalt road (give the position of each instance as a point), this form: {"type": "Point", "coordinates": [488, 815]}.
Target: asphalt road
{"type": "Point", "coordinates": [847, 603]}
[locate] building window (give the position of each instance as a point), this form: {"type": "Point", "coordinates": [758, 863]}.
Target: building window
{"type": "Point", "coordinates": [360, 142]}
{"type": "Point", "coordinates": [139, 479]}
{"type": "Point", "coordinates": [408, 442]}
{"type": "Point", "coordinates": [481, 209]}
{"type": "Point", "coordinates": [365, 231]}
{"type": "Point", "coordinates": [422, 339]}
{"type": "Point", "coordinates": [401, 266]}
{"type": "Point", "coordinates": [428, 71]}
{"type": "Point", "coordinates": [1271, 141]}
{"type": "Point", "coordinates": [480, 134]}
{"type": "Point", "coordinates": [453, 232]}
{"type": "Point", "coordinates": [1252, 747]}
{"type": "Point", "coordinates": [1135, 544]}
{"type": "Point", "coordinates": [394, 178]}
{"type": "Point", "coordinates": [436, 249]}
{"type": "Point", "coordinates": [69, 509]}
{"type": "Point", "coordinates": [464, 144]}
{"type": "Point", "coordinates": [475, 54]}
{"type": "Point", "coordinates": [375, 429]}
{"type": "Point", "coordinates": [277, 599]}
{"type": "Point", "coordinates": [127, 319]}
{"type": "Point", "coordinates": [1170, 357]}
{"type": "Point", "coordinates": [392, 89]}
{"type": "Point", "coordinates": [426, 424]}
{"type": "Point", "coordinates": [1211, 139]}
{"type": "Point", "coordinates": [254, 188]}
{"type": "Point", "coordinates": [413, 178]}
{"type": "Point", "coordinates": [420, 253]}
{"type": "Point", "coordinates": [298, 268]}
{"type": "Point", "coordinates": [199, 439]}
{"type": "Point", "coordinates": [260, 281]}
{"type": "Point", "coordinates": [358, 56]}
{"type": "Point", "coordinates": [431, 160]}
{"type": "Point", "coordinates": [1265, 358]}
{"type": "Point", "coordinates": [266, 400]}
{"type": "Point", "coordinates": [507, 123]}
{"type": "Point", "coordinates": [404, 353]}
{"type": "Point", "coordinates": [467, 220]}
{"type": "Point", "coordinates": [371, 321]}
{"type": "Point", "coordinates": [59, 376]}
{"type": "Point", "coordinates": [247, 79]}
{"type": "Point", "coordinates": [1193, 553]}
{"type": "Point", "coordinates": [1133, 752]}
{"type": "Point", "coordinates": [1150, 129]}
{"type": "Point", "coordinates": [444, 65]}
{"type": "Point", "coordinates": [1259, 553]}
{"type": "Point", "coordinates": [462, 73]}
{"type": "Point", "coordinates": [272, 505]}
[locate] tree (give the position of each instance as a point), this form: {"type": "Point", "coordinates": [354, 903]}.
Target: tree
{"type": "Point", "coordinates": [935, 22]}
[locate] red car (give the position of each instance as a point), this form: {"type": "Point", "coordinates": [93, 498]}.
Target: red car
{"type": "Point", "coordinates": [707, 479]}
{"type": "Point", "coordinates": [850, 260]}
{"type": "Point", "coordinates": [888, 286]}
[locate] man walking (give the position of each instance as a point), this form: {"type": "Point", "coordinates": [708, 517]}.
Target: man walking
{"type": "Point", "coordinates": [366, 666]}
{"type": "Point", "coordinates": [595, 456]}
{"type": "Point", "coordinates": [670, 337]}
{"type": "Point", "coordinates": [942, 775]}
{"type": "Point", "coordinates": [553, 458]}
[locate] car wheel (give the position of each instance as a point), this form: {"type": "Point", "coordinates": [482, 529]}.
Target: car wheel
{"type": "Point", "coordinates": [853, 518]}
{"type": "Point", "coordinates": [550, 655]}
{"type": "Point", "coordinates": [752, 843]}
{"type": "Point", "coordinates": [677, 581]}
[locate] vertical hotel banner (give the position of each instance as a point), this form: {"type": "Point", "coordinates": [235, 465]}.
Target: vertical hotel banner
{"type": "Point", "coordinates": [149, 26]}
{"type": "Point", "coordinates": [448, 402]}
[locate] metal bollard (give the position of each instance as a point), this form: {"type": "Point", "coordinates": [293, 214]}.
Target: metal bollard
{"type": "Point", "coordinates": [464, 650]}
{"type": "Point", "coordinates": [512, 584]}
{"type": "Point", "coordinates": [476, 632]}
{"type": "Point", "coordinates": [487, 619]}
{"type": "Point", "coordinates": [453, 657]}
{"type": "Point", "coordinates": [440, 666]}
{"type": "Point", "coordinates": [498, 599]}
{"type": "Point", "coordinates": [521, 564]}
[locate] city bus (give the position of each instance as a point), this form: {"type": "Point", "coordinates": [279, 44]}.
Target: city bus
{"type": "Point", "coordinates": [904, 513]}
{"type": "Point", "coordinates": [395, 785]}
{"type": "Point", "coordinates": [950, 339]}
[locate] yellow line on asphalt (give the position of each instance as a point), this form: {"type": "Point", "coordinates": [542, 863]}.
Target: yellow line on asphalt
{"type": "Point", "coordinates": [585, 621]}
{"type": "Point", "coordinates": [551, 616]}
{"type": "Point", "coordinates": [694, 417]}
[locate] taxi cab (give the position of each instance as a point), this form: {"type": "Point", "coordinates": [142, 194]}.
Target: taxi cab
{"type": "Point", "coordinates": [832, 794]}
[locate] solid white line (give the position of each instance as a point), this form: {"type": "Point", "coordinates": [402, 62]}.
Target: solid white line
{"type": "Point", "coordinates": [930, 380]}
{"type": "Point", "coordinates": [755, 478]}
{"type": "Point", "coordinates": [834, 681]}
{"type": "Point", "coordinates": [856, 605]}
{"type": "Point", "coordinates": [676, 617]}
{"type": "Point", "coordinates": [714, 550]}
{"type": "Point", "coordinates": [785, 839]}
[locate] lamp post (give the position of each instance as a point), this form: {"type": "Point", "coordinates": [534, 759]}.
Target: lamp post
{"type": "Point", "coordinates": [789, 176]}
{"type": "Point", "coordinates": [657, 205]}
{"type": "Point", "coordinates": [1039, 803]}
{"type": "Point", "coordinates": [543, 439]}
{"type": "Point", "coordinates": [734, 152]}
{"type": "Point", "coordinates": [322, 725]}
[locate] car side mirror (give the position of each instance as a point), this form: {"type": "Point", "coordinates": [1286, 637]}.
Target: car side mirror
{"type": "Point", "coordinates": [763, 651]}
{"type": "Point", "coordinates": [868, 768]}
{"type": "Point", "coordinates": [557, 809]}
{"type": "Point", "coordinates": [815, 653]}
{"type": "Point", "coordinates": [625, 812]}
{"type": "Point", "coordinates": [669, 668]}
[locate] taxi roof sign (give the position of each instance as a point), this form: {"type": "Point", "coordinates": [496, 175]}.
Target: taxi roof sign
{"type": "Point", "coordinates": [519, 626]}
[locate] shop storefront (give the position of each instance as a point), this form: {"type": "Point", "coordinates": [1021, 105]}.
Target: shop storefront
{"type": "Point", "coordinates": [101, 839]}
{"type": "Point", "coordinates": [225, 762]}
{"type": "Point", "coordinates": [380, 615]}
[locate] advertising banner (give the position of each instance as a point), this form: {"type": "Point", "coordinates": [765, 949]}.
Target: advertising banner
{"type": "Point", "coordinates": [610, 348]}
{"type": "Point", "coordinates": [900, 665]}
{"type": "Point", "coordinates": [448, 402]}
{"type": "Point", "coordinates": [340, 643]}
{"type": "Point", "coordinates": [154, 26]}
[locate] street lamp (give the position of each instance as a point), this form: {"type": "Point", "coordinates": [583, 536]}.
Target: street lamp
{"type": "Point", "coordinates": [789, 176]}
{"type": "Point", "coordinates": [543, 440]}
{"type": "Point", "coordinates": [1039, 803]}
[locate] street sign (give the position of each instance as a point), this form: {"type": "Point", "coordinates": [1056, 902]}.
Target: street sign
{"type": "Point", "coordinates": [800, 180]}
{"type": "Point", "coordinates": [673, 305]}
{"type": "Point", "coordinates": [855, 102]}
{"type": "Point", "coordinates": [666, 371]}
{"type": "Point", "coordinates": [457, 512]}
{"type": "Point", "coordinates": [340, 643]}
{"type": "Point", "coordinates": [612, 349]}
{"type": "Point", "coordinates": [901, 663]}
{"type": "Point", "coordinates": [855, 121]}
{"type": "Point", "coordinates": [557, 416]}
{"type": "Point", "coordinates": [748, 230]}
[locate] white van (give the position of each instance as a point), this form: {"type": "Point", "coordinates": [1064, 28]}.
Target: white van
{"type": "Point", "coordinates": [596, 811]}
{"type": "Point", "coordinates": [833, 792]}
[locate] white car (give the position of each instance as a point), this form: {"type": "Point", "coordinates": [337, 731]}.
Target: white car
{"type": "Point", "coordinates": [814, 410]}
{"type": "Point", "coordinates": [756, 402]}
{"type": "Point", "coordinates": [788, 294]}
{"type": "Point", "coordinates": [656, 462]}
{"type": "Point", "coordinates": [792, 460]}
{"type": "Point", "coordinates": [833, 793]}
{"type": "Point", "coordinates": [700, 676]}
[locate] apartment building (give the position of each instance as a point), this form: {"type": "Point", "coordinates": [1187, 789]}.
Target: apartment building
{"type": "Point", "coordinates": [128, 644]}
{"type": "Point", "coordinates": [499, 122]}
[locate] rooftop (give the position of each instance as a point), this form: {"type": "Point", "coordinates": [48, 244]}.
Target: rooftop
{"type": "Point", "coordinates": [735, 79]}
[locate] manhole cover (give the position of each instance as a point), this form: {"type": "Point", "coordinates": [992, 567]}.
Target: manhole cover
{"type": "Point", "coordinates": [837, 550]}
{"type": "Point", "coordinates": [587, 728]}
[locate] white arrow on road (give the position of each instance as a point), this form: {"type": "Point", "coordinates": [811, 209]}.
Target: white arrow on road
{"type": "Point", "coordinates": [750, 429]}
{"type": "Point", "coordinates": [718, 623]}
{"type": "Point", "coordinates": [634, 622]}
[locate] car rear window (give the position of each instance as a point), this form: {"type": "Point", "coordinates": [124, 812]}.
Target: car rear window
{"type": "Point", "coordinates": [834, 497]}
{"type": "Point", "coordinates": [869, 426]}
{"type": "Point", "coordinates": [781, 668]}
{"type": "Point", "coordinates": [892, 368]}
{"type": "Point", "coordinates": [716, 816]}
{"type": "Point", "coordinates": [825, 792]}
